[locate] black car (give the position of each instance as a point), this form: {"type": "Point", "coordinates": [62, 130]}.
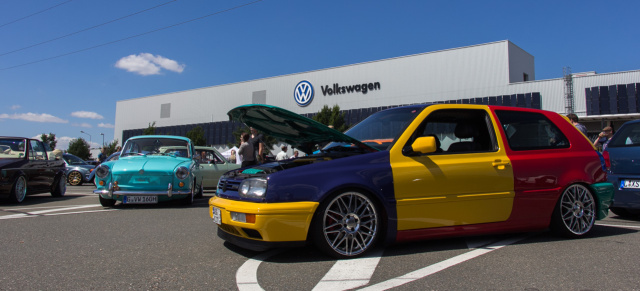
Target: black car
{"type": "Point", "coordinates": [27, 169]}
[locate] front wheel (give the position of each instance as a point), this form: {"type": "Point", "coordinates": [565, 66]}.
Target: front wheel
{"type": "Point", "coordinates": [60, 188]}
{"type": "Point", "coordinates": [347, 226]}
{"type": "Point", "coordinates": [75, 178]}
{"type": "Point", "coordinates": [107, 202]}
{"type": "Point", "coordinates": [19, 190]}
{"type": "Point", "coordinates": [575, 213]}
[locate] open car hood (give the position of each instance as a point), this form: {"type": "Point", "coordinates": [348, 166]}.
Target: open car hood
{"type": "Point", "coordinates": [298, 131]}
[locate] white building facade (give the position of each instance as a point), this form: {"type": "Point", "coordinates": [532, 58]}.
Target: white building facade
{"type": "Point", "coordinates": [497, 73]}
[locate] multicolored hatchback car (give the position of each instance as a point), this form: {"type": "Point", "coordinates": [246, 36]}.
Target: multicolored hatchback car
{"type": "Point", "coordinates": [409, 173]}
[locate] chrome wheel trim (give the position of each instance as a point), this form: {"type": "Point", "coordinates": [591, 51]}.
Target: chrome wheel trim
{"type": "Point", "coordinates": [350, 224]}
{"type": "Point", "coordinates": [20, 189]}
{"type": "Point", "coordinates": [74, 178]}
{"type": "Point", "coordinates": [578, 209]}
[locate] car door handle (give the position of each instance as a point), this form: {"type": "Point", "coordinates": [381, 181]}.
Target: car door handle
{"type": "Point", "coordinates": [500, 164]}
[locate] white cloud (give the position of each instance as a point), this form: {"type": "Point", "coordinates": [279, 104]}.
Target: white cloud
{"type": "Point", "coordinates": [86, 114]}
{"type": "Point", "coordinates": [35, 117]}
{"type": "Point", "coordinates": [106, 125]}
{"type": "Point", "coordinates": [147, 64]}
{"type": "Point", "coordinates": [84, 124]}
{"type": "Point", "coordinates": [15, 107]}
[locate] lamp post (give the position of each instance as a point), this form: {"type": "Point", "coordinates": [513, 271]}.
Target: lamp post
{"type": "Point", "coordinates": [102, 134]}
{"type": "Point", "coordinates": [89, 138]}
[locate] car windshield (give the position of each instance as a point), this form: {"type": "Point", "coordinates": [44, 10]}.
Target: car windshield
{"type": "Point", "coordinates": [73, 160]}
{"type": "Point", "coordinates": [627, 136]}
{"type": "Point", "coordinates": [381, 129]}
{"type": "Point", "coordinates": [156, 146]}
{"type": "Point", "coordinates": [12, 148]}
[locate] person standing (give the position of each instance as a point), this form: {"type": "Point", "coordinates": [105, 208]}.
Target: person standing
{"type": "Point", "coordinates": [257, 144]}
{"type": "Point", "coordinates": [232, 157]}
{"type": "Point", "coordinates": [574, 120]}
{"type": "Point", "coordinates": [283, 154]}
{"type": "Point", "coordinates": [102, 155]}
{"type": "Point", "coordinates": [246, 151]}
{"type": "Point", "coordinates": [603, 138]}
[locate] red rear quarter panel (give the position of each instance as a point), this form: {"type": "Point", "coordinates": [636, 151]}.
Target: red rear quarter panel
{"type": "Point", "coordinates": [541, 175]}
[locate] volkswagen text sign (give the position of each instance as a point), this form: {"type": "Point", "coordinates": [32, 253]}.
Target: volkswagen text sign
{"type": "Point", "coordinates": [303, 94]}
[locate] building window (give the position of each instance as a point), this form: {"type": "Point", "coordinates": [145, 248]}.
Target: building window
{"type": "Point", "coordinates": [525, 77]}
{"type": "Point", "coordinates": [165, 110]}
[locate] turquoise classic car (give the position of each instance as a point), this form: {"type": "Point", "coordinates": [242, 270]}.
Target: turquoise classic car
{"type": "Point", "coordinates": [151, 169]}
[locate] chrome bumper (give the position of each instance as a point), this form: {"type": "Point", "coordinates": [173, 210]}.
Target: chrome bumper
{"type": "Point", "coordinates": [110, 192]}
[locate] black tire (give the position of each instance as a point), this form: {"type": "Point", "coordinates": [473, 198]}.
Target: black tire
{"type": "Point", "coordinates": [623, 212]}
{"type": "Point", "coordinates": [107, 202]}
{"type": "Point", "coordinates": [60, 187]}
{"type": "Point", "coordinates": [189, 199]}
{"type": "Point", "coordinates": [346, 225]}
{"type": "Point", "coordinates": [200, 191]}
{"type": "Point", "coordinates": [575, 212]}
{"type": "Point", "coordinates": [18, 190]}
{"type": "Point", "coordinates": [74, 178]}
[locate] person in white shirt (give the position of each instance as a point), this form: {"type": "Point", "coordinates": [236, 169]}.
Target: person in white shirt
{"type": "Point", "coordinates": [283, 154]}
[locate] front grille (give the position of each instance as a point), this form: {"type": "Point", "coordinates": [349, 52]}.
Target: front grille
{"type": "Point", "coordinates": [228, 185]}
{"type": "Point", "coordinates": [230, 229]}
{"type": "Point", "coordinates": [252, 233]}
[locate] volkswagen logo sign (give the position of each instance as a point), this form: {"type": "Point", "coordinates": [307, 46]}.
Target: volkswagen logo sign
{"type": "Point", "coordinates": [303, 94]}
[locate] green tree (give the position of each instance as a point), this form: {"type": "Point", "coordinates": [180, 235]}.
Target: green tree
{"type": "Point", "coordinates": [111, 147]}
{"type": "Point", "coordinates": [49, 140]}
{"type": "Point", "coordinates": [79, 147]}
{"type": "Point", "coordinates": [197, 136]}
{"type": "Point", "coordinates": [151, 130]}
{"type": "Point", "coordinates": [331, 117]}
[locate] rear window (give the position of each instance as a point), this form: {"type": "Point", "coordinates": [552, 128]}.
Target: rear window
{"type": "Point", "coordinates": [530, 131]}
{"type": "Point", "coordinates": [627, 136]}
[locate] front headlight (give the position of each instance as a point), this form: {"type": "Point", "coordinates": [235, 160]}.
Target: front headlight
{"type": "Point", "coordinates": [102, 171]}
{"type": "Point", "coordinates": [182, 172]}
{"type": "Point", "coordinates": [253, 188]}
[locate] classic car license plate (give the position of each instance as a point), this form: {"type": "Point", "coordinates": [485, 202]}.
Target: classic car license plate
{"type": "Point", "coordinates": [140, 199]}
{"type": "Point", "coordinates": [216, 215]}
{"type": "Point", "coordinates": [634, 184]}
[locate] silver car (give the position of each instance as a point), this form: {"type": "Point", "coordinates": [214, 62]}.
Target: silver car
{"type": "Point", "coordinates": [78, 171]}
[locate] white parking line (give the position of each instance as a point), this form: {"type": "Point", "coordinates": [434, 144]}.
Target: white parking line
{"type": "Point", "coordinates": [247, 274]}
{"type": "Point", "coordinates": [349, 274]}
{"type": "Point", "coordinates": [424, 272]}
{"type": "Point", "coordinates": [49, 210]}
{"type": "Point", "coordinates": [620, 225]}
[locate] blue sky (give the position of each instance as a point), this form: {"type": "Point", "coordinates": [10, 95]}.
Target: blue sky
{"type": "Point", "coordinates": [64, 64]}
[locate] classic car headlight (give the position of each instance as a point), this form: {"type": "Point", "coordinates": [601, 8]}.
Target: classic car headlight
{"type": "Point", "coordinates": [253, 188]}
{"type": "Point", "coordinates": [102, 171]}
{"type": "Point", "coordinates": [182, 172]}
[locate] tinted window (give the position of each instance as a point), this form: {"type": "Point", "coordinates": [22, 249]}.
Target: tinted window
{"type": "Point", "coordinates": [627, 136]}
{"type": "Point", "coordinates": [530, 131]}
{"type": "Point", "coordinates": [459, 131]}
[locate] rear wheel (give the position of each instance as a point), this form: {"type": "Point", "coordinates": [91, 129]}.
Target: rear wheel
{"type": "Point", "coordinates": [60, 188]}
{"type": "Point", "coordinates": [75, 178]}
{"type": "Point", "coordinates": [19, 190]}
{"type": "Point", "coordinates": [575, 213]}
{"type": "Point", "coordinates": [346, 226]}
{"type": "Point", "coordinates": [107, 202]}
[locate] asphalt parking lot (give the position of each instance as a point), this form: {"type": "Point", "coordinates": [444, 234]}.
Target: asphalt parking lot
{"type": "Point", "coordinates": [73, 243]}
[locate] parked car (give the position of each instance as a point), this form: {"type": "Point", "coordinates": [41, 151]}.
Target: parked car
{"type": "Point", "coordinates": [146, 173]}
{"type": "Point", "coordinates": [212, 166]}
{"type": "Point", "coordinates": [94, 163]}
{"type": "Point", "coordinates": [408, 173]}
{"type": "Point", "coordinates": [78, 171]}
{"type": "Point", "coordinates": [622, 156]}
{"type": "Point", "coordinates": [27, 169]}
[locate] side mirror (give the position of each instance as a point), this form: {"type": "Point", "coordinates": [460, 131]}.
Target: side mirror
{"type": "Point", "coordinates": [424, 145]}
